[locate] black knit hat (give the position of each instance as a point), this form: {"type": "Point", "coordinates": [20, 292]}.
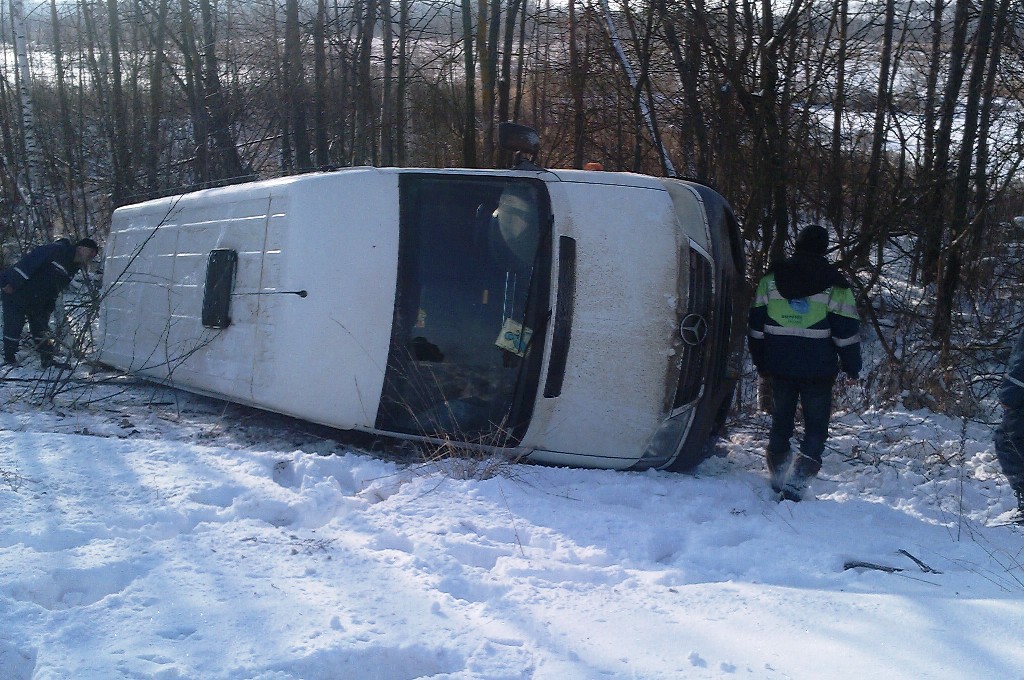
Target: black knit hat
{"type": "Point", "coordinates": [88, 243]}
{"type": "Point", "coordinates": [813, 240]}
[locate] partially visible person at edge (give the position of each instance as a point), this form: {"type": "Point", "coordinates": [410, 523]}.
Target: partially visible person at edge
{"type": "Point", "coordinates": [30, 289]}
{"type": "Point", "coordinates": [804, 328]}
{"type": "Point", "coordinates": [1009, 439]}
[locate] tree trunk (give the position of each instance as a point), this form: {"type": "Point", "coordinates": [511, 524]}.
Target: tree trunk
{"type": "Point", "coordinates": [469, 121]}
{"type": "Point", "coordinates": [323, 158]}
{"type": "Point", "coordinates": [121, 139]}
{"type": "Point", "coordinates": [869, 229]}
{"type": "Point", "coordinates": [67, 134]}
{"type": "Point", "coordinates": [931, 230]}
{"type": "Point", "coordinates": [156, 78]}
{"type": "Point", "coordinates": [577, 82]}
{"type": "Point", "coordinates": [489, 80]}
{"type": "Point", "coordinates": [521, 66]}
{"type": "Point", "coordinates": [387, 95]}
{"type": "Point", "coordinates": [508, 44]}
{"type": "Point", "coordinates": [836, 171]}
{"type": "Point", "coordinates": [403, 82]}
{"type": "Point", "coordinates": [935, 211]}
{"type": "Point", "coordinates": [365, 107]}
{"type": "Point", "coordinates": [196, 96]}
{"type": "Point", "coordinates": [687, 69]}
{"type": "Point", "coordinates": [295, 85]}
{"type": "Point", "coordinates": [30, 184]}
{"type": "Point", "coordinates": [962, 223]}
{"type": "Point", "coordinates": [640, 101]}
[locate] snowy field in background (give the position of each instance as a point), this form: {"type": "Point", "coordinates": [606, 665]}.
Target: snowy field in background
{"type": "Point", "coordinates": [150, 534]}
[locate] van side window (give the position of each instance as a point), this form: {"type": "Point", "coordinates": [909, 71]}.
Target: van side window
{"type": "Point", "coordinates": [220, 280]}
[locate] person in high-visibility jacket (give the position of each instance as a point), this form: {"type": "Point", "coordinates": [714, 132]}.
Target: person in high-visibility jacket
{"type": "Point", "coordinates": [803, 330]}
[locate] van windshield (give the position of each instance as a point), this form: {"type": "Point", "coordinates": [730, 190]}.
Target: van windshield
{"type": "Point", "coordinates": [474, 266]}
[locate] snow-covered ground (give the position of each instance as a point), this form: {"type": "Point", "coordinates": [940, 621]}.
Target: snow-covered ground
{"type": "Point", "coordinates": [149, 534]}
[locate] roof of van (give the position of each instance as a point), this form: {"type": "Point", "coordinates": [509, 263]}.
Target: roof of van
{"type": "Point", "coordinates": [549, 175]}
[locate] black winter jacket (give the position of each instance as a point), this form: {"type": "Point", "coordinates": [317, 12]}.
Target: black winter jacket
{"type": "Point", "coordinates": [39, 277]}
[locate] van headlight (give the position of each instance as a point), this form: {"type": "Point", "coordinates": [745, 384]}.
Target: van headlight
{"type": "Point", "coordinates": [667, 441]}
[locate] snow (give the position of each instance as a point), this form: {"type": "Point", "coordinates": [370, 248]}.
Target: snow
{"type": "Point", "coordinates": [145, 533]}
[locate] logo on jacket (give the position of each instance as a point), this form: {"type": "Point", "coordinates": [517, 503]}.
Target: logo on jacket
{"type": "Point", "coordinates": [800, 305]}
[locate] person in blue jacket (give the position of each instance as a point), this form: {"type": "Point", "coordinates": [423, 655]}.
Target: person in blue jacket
{"type": "Point", "coordinates": [803, 329]}
{"type": "Point", "coordinates": [30, 289]}
{"type": "Point", "coordinates": [1009, 438]}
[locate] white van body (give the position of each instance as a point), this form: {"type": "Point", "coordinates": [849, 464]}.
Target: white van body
{"type": "Point", "coordinates": [367, 299]}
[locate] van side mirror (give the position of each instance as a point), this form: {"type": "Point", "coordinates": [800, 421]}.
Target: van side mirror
{"type": "Point", "coordinates": [520, 140]}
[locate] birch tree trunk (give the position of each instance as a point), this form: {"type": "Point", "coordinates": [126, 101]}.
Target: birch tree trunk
{"type": "Point", "coordinates": [33, 226]}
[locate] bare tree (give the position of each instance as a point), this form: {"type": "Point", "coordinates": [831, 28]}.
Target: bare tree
{"type": "Point", "coordinates": [156, 100]}
{"type": "Point", "coordinates": [469, 120]}
{"type": "Point", "coordinates": [295, 86]}
{"type": "Point", "coordinates": [320, 95]}
{"type": "Point", "coordinates": [962, 223]}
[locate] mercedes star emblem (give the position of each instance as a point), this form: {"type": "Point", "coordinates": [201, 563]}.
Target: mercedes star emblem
{"type": "Point", "coordinates": [693, 329]}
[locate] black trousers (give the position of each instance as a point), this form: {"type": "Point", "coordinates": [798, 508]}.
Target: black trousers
{"type": "Point", "coordinates": [1009, 441]}
{"type": "Point", "coordinates": [15, 316]}
{"type": "Point", "coordinates": [815, 397]}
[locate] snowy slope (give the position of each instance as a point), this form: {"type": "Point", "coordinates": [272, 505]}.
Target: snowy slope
{"type": "Point", "coordinates": [149, 534]}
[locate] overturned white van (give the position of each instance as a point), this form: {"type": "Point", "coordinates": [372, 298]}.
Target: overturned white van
{"type": "Point", "coordinates": [574, 317]}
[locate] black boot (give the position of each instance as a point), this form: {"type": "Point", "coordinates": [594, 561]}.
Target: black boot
{"type": "Point", "coordinates": [795, 488]}
{"type": "Point", "coordinates": [47, 349]}
{"type": "Point", "coordinates": [778, 470]}
{"type": "Point", "coordinates": [48, 361]}
{"type": "Point", "coordinates": [10, 353]}
{"type": "Point", "coordinates": [805, 469]}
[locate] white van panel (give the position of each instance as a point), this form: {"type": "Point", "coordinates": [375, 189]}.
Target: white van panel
{"type": "Point", "coordinates": [321, 356]}
{"type": "Point", "coordinates": [623, 323]}
{"type": "Point", "coordinates": [330, 348]}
